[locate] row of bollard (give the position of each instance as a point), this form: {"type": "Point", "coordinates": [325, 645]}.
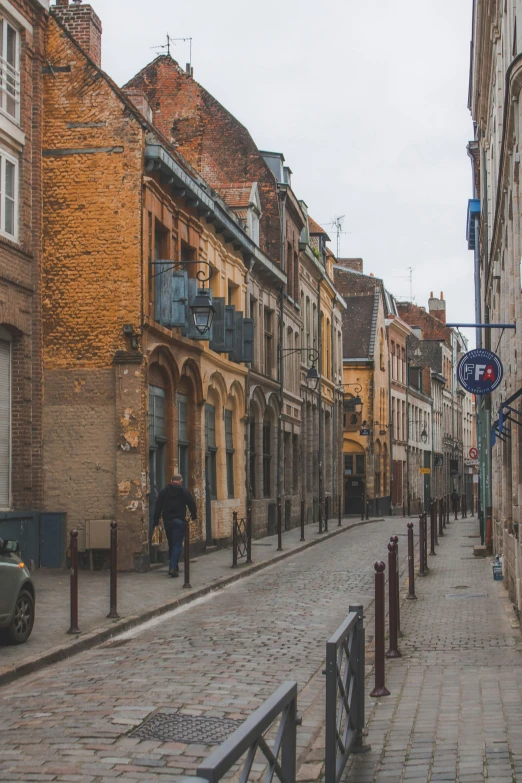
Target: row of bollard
{"type": "Point", "coordinates": [439, 519]}
{"type": "Point", "coordinates": [74, 627]}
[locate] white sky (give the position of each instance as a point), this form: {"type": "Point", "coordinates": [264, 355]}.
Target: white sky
{"type": "Point", "coordinates": [366, 100]}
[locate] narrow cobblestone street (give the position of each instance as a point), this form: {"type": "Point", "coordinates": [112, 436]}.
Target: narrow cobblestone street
{"type": "Point", "coordinates": [455, 709]}
{"type": "Point", "coordinates": [219, 658]}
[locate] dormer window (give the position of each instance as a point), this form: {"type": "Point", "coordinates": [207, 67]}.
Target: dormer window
{"type": "Point", "coordinates": [254, 213]}
{"type": "Point", "coordinates": [9, 70]}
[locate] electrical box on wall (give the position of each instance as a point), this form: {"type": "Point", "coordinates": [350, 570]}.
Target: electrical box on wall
{"type": "Point", "coordinates": [98, 534]}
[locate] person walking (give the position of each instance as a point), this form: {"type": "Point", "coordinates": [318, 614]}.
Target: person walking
{"type": "Point", "coordinates": [172, 503]}
{"type": "Point", "coordinates": [455, 502]}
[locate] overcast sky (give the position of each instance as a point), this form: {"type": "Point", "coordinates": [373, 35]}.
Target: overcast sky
{"type": "Point", "coordinates": [366, 100]}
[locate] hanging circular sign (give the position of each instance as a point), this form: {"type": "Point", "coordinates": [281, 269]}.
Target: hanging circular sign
{"type": "Point", "coordinates": [473, 453]}
{"type": "Point", "coordinates": [479, 371]}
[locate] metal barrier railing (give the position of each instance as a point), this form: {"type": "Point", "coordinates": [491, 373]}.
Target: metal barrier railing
{"type": "Point", "coordinates": [241, 539]}
{"type": "Point", "coordinates": [250, 738]}
{"type": "Point", "coordinates": [344, 694]}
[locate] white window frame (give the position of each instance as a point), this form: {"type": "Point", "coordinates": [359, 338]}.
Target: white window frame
{"type": "Point", "coordinates": [4, 157]}
{"type": "Point", "coordinates": [6, 337]}
{"type": "Point", "coordinates": [6, 67]}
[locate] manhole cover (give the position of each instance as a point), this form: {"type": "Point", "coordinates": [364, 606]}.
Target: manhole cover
{"type": "Point", "coordinates": [466, 595]}
{"type": "Point", "coordinates": [164, 727]}
{"type": "Point", "coordinates": [461, 587]}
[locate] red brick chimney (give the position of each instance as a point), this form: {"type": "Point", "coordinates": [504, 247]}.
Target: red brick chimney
{"type": "Point", "coordinates": [83, 24]}
{"type": "Point", "coordinates": [437, 307]}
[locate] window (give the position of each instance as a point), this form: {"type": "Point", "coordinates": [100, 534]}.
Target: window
{"type": "Point", "coordinates": [157, 440]}
{"type": "Point", "coordinates": [183, 438]}
{"type": "Point", "coordinates": [211, 450]}
{"type": "Point", "coordinates": [269, 337]}
{"type": "Point", "coordinates": [267, 457]}
{"type": "Point", "coordinates": [5, 424]}
{"type": "Point", "coordinates": [354, 464]}
{"type": "Point", "coordinates": [229, 446]}
{"type": "Point", "coordinates": [9, 70]}
{"type": "Point", "coordinates": [253, 458]}
{"type": "Point", "coordinates": [8, 195]}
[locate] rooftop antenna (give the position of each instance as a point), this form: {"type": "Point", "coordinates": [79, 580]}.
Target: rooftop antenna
{"type": "Point", "coordinates": [172, 41]}
{"type": "Point", "coordinates": [409, 277]}
{"type": "Point", "coordinates": [337, 223]}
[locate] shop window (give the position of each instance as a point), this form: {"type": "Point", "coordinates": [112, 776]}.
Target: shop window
{"type": "Point", "coordinates": [267, 459]}
{"type": "Point", "coordinates": [183, 438]}
{"type": "Point", "coordinates": [211, 450]}
{"type": "Point", "coordinates": [229, 447]}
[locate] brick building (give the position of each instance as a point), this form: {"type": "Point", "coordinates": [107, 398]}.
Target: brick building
{"type": "Point", "coordinates": [132, 392]}
{"type": "Point", "coordinates": [284, 417]}
{"type": "Point", "coordinates": [22, 28]}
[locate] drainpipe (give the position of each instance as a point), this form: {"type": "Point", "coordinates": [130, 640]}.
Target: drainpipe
{"type": "Point", "coordinates": [408, 428]}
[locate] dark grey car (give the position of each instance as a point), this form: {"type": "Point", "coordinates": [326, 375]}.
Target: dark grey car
{"type": "Point", "coordinates": [17, 596]}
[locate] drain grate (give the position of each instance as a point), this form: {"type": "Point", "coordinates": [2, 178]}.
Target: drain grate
{"type": "Point", "coordinates": [164, 727]}
{"type": "Point", "coordinates": [466, 595]}
{"type": "Point", "coordinates": [461, 587]}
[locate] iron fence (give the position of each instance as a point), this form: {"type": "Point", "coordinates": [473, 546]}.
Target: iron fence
{"type": "Point", "coordinates": [344, 694]}
{"type": "Point", "coordinates": [241, 539]}
{"type": "Point", "coordinates": [250, 738]}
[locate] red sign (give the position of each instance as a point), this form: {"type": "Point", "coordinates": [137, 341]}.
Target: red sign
{"type": "Point", "coordinates": [473, 453]}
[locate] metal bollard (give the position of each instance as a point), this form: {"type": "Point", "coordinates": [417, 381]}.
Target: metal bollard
{"type": "Point", "coordinates": [302, 519]}
{"type": "Point", "coordinates": [74, 583]}
{"type": "Point", "coordinates": [403, 509]}
{"type": "Point", "coordinates": [411, 565]}
{"type": "Point", "coordinates": [425, 518]}
{"type": "Point", "coordinates": [339, 511]}
{"type": "Point", "coordinates": [186, 555]}
{"type": "Point", "coordinates": [441, 531]}
{"type": "Point", "coordinates": [422, 569]}
{"type": "Point", "coordinates": [113, 603]}
{"type": "Point", "coordinates": [393, 651]}
{"type": "Point", "coordinates": [249, 534]}
{"type": "Point", "coordinates": [326, 506]}
{"type": "Point", "coordinates": [447, 510]}
{"type": "Point", "coordinates": [367, 508]}
{"type": "Point", "coordinates": [433, 509]}
{"type": "Point", "coordinates": [279, 526]}
{"type": "Point", "coordinates": [234, 539]}
{"type": "Point", "coordinates": [433, 532]}
{"type": "Point", "coordinates": [443, 502]}
{"type": "Point", "coordinates": [471, 506]}
{"type": "Point", "coordinates": [380, 688]}
{"type": "Point", "coordinates": [395, 540]}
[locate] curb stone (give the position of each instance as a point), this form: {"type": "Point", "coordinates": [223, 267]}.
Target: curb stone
{"type": "Point", "coordinates": [93, 638]}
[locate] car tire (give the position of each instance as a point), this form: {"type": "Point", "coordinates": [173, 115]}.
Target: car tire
{"type": "Point", "coordinates": [22, 622]}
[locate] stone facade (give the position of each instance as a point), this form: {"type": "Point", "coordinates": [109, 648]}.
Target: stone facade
{"type": "Point", "coordinates": [494, 233]}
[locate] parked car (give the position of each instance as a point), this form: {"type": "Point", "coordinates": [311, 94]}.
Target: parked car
{"type": "Point", "coordinates": [17, 595]}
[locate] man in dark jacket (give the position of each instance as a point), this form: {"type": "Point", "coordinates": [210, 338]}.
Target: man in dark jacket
{"type": "Point", "coordinates": [172, 504]}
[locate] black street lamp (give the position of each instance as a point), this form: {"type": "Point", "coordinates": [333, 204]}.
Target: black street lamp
{"type": "Point", "coordinates": [312, 375]}
{"type": "Point", "coordinates": [201, 308]}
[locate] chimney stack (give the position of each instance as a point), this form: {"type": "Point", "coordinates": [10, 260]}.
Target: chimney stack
{"type": "Point", "coordinates": [437, 307]}
{"type": "Point", "coordinates": [82, 23]}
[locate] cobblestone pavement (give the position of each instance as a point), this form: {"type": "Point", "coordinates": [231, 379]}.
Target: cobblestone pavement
{"type": "Point", "coordinates": [219, 657]}
{"type": "Point", "coordinates": [455, 709]}
{"type": "Point", "coordinates": [138, 594]}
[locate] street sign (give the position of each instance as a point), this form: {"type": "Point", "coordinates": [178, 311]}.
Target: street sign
{"type": "Point", "coordinates": [469, 462]}
{"type": "Point", "coordinates": [473, 453]}
{"type": "Point", "coordinates": [425, 471]}
{"type": "Point", "coordinates": [479, 371]}
{"type": "Point", "coordinates": [364, 432]}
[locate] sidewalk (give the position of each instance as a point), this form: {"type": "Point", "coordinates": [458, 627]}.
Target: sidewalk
{"type": "Point", "coordinates": [455, 709]}
{"type": "Point", "coordinates": [140, 597]}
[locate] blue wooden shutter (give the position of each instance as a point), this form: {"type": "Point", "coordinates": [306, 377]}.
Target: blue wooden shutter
{"type": "Point", "coordinates": [248, 340]}
{"type": "Point", "coordinates": [230, 311]}
{"type": "Point", "coordinates": [218, 326]}
{"type": "Point", "coordinates": [237, 348]}
{"type": "Point", "coordinates": [179, 298]}
{"type": "Point", "coordinates": [163, 293]}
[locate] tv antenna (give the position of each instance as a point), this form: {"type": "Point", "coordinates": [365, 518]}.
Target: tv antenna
{"type": "Point", "coordinates": [338, 223]}
{"type": "Point", "coordinates": [172, 42]}
{"type": "Point", "coordinates": [409, 277]}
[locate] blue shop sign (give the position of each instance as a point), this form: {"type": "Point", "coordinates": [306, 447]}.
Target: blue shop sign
{"type": "Point", "coordinates": [479, 371]}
